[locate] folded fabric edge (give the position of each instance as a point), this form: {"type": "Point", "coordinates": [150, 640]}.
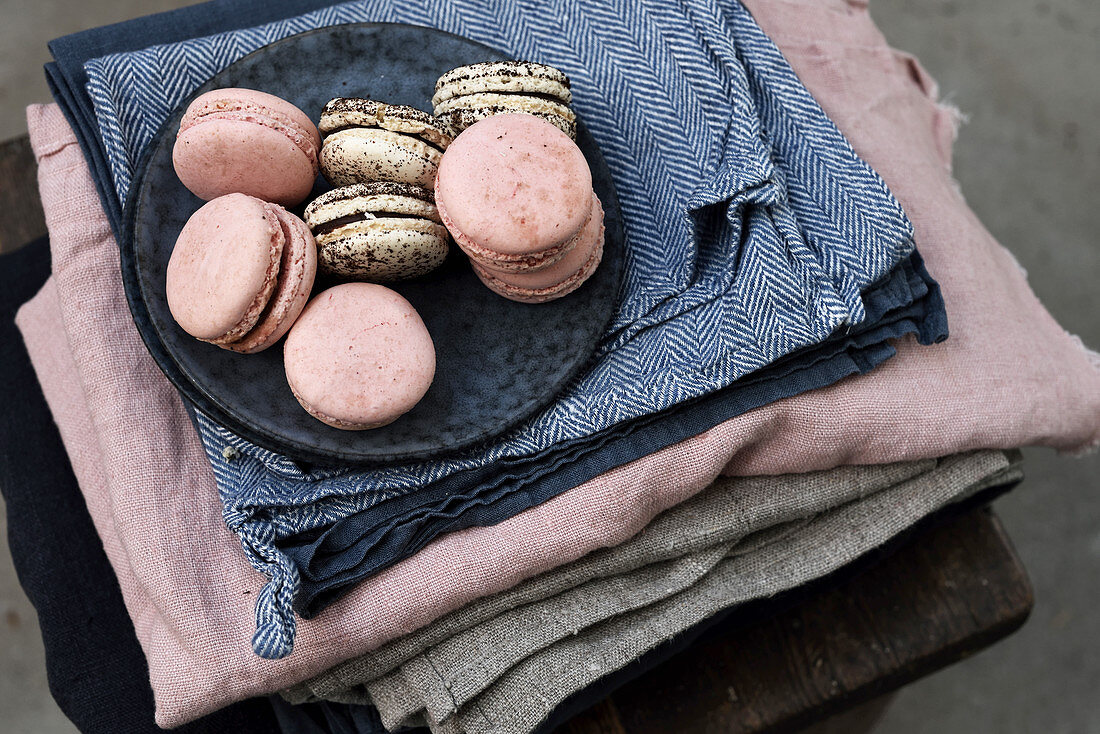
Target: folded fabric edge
{"type": "Point", "coordinates": [957, 478]}
{"type": "Point", "coordinates": [733, 511]}
{"type": "Point", "coordinates": [342, 681]}
{"type": "Point", "coordinates": [93, 155]}
{"type": "Point", "coordinates": [736, 617]}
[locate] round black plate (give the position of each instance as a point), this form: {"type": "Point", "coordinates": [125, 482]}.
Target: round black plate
{"type": "Point", "coordinates": [497, 361]}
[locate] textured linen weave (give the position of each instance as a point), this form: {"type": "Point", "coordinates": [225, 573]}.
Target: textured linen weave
{"type": "Point", "coordinates": [482, 683]}
{"type": "Point", "coordinates": [438, 661]}
{"type": "Point", "coordinates": [752, 227]}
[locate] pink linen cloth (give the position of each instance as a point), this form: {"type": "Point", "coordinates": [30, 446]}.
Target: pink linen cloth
{"type": "Point", "coordinates": [1009, 376]}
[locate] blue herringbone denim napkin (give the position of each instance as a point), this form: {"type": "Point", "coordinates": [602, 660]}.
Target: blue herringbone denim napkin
{"type": "Point", "coordinates": [752, 230]}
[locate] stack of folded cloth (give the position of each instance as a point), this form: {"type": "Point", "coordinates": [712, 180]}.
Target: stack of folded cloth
{"type": "Point", "coordinates": [459, 594]}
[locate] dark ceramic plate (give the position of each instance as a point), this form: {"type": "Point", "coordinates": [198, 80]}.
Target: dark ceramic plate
{"type": "Point", "coordinates": [497, 361]}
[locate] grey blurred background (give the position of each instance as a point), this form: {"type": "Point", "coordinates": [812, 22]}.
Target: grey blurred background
{"type": "Point", "coordinates": [1027, 75]}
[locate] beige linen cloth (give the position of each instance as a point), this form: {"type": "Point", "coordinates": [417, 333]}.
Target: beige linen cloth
{"type": "Point", "coordinates": [502, 663]}
{"type": "Point", "coordinates": [1008, 376]}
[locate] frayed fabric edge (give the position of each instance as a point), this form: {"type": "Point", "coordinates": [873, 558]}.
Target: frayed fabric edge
{"type": "Point", "coordinates": [1094, 359]}
{"type": "Point", "coordinates": [1092, 355]}
{"type": "Point", "coordinates": [1087, 450]}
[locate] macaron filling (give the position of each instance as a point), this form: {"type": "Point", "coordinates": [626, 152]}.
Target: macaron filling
{"type": "Point", "coordinates": [354, 194]}
{"type": "Point", "coordinates": [425, 141]}
{"type": "Point", "coordinates": [460, 119]}
{"type": "Point", "coordinates": [508, 101]}
{"type": "Point", "coordinates": [350, 219]}
{"type": "Point", "coordinates": [462, 100]}
{"type": "Point", "coordinates": [542, 88]}
{"type": "Point", "coordinates": [356, 203]}
{"type": "Point", "coordinates": [346, 113]}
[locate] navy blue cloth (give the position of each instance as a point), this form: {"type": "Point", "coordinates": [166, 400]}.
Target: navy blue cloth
{"type": "Point", "coordinates": [333, 560]}
{"type": "Point", "coordinates": [96, 669]}
{"type": "Point", "coordinates": [760, 247]}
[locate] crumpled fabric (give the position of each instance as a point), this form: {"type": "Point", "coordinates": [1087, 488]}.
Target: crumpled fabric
{"type": "Point", "coordinates": [752, 228]}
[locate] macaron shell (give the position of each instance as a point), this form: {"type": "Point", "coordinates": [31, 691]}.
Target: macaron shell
{"type": "Point", "coordinates": [224, 156]}
{"type": "Point", "coordinates": [277, 105]}
{"type": "Point", "coordinates": [224, 266]}
{"type": "Point", "coordinates": [561, 278]}
{"type": "Point", "coordinates": [514, 185]}
{"type": "Point", "coordinates": [522, 262]}
{"type": "Point", "coordinates": [277, 109]}
{"type": "Point", "coordinates": [258, 145]}
{"type": "Point", "coordinates": [297, 272]}
{"type": "Point", "coordinates": [360, 155]}
{"type": "Point", "coordinates": [507, 103]}
{"type": "Point", "coordinates": [384, 249]}
{"type": "Point", "coordinates": [359, 356]}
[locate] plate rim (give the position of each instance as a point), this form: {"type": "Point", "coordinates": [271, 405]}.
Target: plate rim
{"type": "Point", "coordinates": [197, 397]}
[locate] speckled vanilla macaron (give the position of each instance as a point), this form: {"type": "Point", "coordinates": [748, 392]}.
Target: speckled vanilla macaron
{"type": "Point", "coordinates": [366, 140]}
{"type": "Point", "coordinates": [470, 93]}
{"type": "Point", "coordinates": [379, 232]}
{"type": "Point", "coordinates": [359, 357]}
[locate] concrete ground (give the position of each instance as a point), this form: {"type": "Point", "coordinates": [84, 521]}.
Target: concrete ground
{"type": "Point", "coordinates": [1026, 73]}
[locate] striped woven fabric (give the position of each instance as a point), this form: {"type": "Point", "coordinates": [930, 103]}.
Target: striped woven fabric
{"type": "Point", "coordinates": [752, 227]}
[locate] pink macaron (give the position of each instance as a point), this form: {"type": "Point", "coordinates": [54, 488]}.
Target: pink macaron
{"type": "Point", "coordinates": [240, 273]}
{"type": "Point", "coordinates": [359, 357]}
{"type": "Point", "coordinates": [558, 279]}
{"type": "Point", "coordinates": [245, 141]}
{"type": "Point", "coordinates": [515, 192]}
